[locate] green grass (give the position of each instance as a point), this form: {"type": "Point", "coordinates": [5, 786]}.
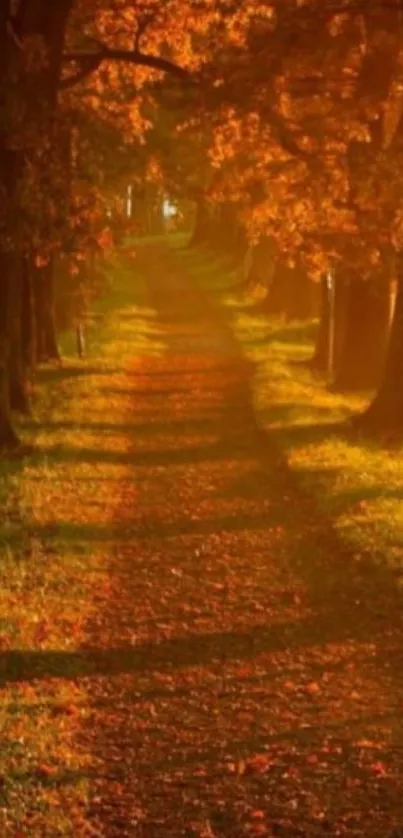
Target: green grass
{"type": "Point", "coordinates": [59, 511]}
{"type": "Point", "coordinates": [174, 239]}
{"type": "Point", "coordinates": [356, 482]}
{"type": "Point", "coordinates": [54, 558]}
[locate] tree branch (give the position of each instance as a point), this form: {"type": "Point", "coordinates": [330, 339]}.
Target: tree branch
{"type": "Point", "coordinates": [91, 61]}
{"type": "Point", "coordinates": [88, 68]}
{"type": "Point", "coordinates": [142, 26]}
{"type": "Point", "coordinates": [284, 136]}
{"type": "Point", "coordinates": [12, 31]}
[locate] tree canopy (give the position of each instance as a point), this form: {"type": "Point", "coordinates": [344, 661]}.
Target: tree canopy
{"type": "Point", "coordinates": [286, 112]}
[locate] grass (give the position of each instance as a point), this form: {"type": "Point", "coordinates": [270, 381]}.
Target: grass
{"type": "Point", "coordinates": [77, 591]}
{"type": "Point", "coordinates": [356, 482]}
{"type": "Point", "coordinates": [53, 564]}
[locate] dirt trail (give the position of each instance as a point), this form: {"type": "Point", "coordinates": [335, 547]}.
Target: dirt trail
{"type": "Point", "coordinates": [249, 677]}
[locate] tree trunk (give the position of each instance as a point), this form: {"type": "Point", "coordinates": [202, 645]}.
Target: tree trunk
{"type": "Point", "coordinates": [227, 233]}
{"type": "Point", "coordinates": [299, 299]}
{"type": "Point", "coordinates": [361, 356]}
{"type": "Point", "coordinates": [202, 228]}
{"type": "Point", "coordinates": [9, 177]}
{"type": "Point", "coordinates": [290, 294]}
{"type": "Point", "coordinates": [339, 314]}
{"type": "Point", "coordinates": [48, 22]}
{"type": "Point", "coordinates": [260, 264]}
{"type": "Point", "coordinates": [18, 373]}
{"type": "Point", "coordinates": [320, 360]}
{"type": "Point", "coordinates": [240, 242]}
{"type": "Point", "coordinates": [49, 316]}
{"type": "Point", "coordinates": [8, 436]}
{"type": "Point", "coordinates": [47, 346]}
{"type": "Point", "coordinates": [29, 347]}
{"type": "Point", "coordinates": [385, 413]}
{"type": "Point", "coordinates": [37, 292]}
{"type": "Point", "coordinates": [33, 93]}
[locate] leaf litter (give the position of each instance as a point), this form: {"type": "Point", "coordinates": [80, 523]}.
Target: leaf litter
{"type": "Point", "coordinates": [202, 660]}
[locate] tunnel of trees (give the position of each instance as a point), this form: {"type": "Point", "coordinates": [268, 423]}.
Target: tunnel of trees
{"type": "Point", "coordinates": [280, 122]}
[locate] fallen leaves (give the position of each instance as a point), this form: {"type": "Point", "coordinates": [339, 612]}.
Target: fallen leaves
{"type": "Point", "coordinates": [218, 691]}
{"type": "Point", "coordinates": [379, 769]}
{"type": "Point", "coordinates": [260, 763]}
{"type": "Point", "coordinates": [312, 688]}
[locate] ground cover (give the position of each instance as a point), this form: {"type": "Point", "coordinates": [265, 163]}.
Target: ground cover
{"type": "Point", "coordinates": [57, 515]}
{"type": "Point", "coordinates": [192, 646]}
{"type": "Point", "coordinates": [357, 482]}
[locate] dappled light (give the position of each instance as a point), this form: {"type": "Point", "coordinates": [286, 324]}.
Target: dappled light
{"type": "Point", "coordinates": [197, 650]}
{"type": "Point", "coordinates": [201, 416]}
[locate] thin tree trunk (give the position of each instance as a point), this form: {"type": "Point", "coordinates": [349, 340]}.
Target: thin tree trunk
{"type": "Point", "coordinates": [8, 436]}
{"type": "Point", "coordinates": [340, 305]}
{"type": "Point", "coordinates": [18, 377]}
{"type": "Point", "coordinates": [49, 316]}
{"type": "Point", "coordinates": [275, 302]}
{"type": "Point", "coordinates": [202, 228]}
{"type": "Point", "coordinates": [290, 293]}
{"type": "Point", "coordinates": [29, 337]}
{"type": "Point", "coordinates": [299, 295]}
{"type": "Point", "coordinates": [385, 413]}
{"type": "Point", "coordinates": [46, 335]}
{"type": "Point", "coordinates": [226, 230]}
{"type": "Point", "coordinates": [320, 360]}
{"type": "Point", "coordinates": [37, 292]}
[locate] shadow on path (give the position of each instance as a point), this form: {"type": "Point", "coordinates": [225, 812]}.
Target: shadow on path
{"type": "Point", "coordinates": [242, 653]}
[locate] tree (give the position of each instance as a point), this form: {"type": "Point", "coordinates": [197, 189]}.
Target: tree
{"type": "Point", "coordinates": [290, 136]}
{"type": "Point", "coordinates": [35, 66]}
{"type": "Point", "coordinates": [304, 156]}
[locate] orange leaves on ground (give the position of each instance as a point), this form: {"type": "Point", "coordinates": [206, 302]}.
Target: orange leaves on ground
{"type": "Point", "coordinates": [257, 764]}
{"type": "Point", "coordinates": [258, 829]}
{"type": "Point", "coordinates": [257, 814]}
{"type": "Point", "coordinates": [379, 769]}
{"type": "Point", "coordinates": [313, 688]}
{"type": "Point", "coordinates": [45, 771]}
{"type": "Point", "coordinates": [260, 763]}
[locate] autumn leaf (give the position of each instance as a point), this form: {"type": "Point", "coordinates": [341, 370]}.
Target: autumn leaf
{"type": "Point", "coordinates": [261, 763]}
{"type": "Point", "coordinates": [379, 769]}
{"type": "Point", "coordinates": [313, 688]}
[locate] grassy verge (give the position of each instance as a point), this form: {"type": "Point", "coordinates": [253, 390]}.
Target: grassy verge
{"type": "Point", "coordinates": [56, 528]}
{"type": "Point", "coordinates": [357, 483]}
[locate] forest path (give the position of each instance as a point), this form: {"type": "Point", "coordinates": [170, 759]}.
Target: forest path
{"type": "Point", "coordinates": [251, 681]}
{"type": "Point", "coordinates": [211, 662]}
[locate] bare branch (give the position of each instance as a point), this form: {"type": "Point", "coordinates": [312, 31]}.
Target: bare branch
{"type": "Point", "coordinates": [284, 135]}
{"type": "Point", "coordinates": [88, 68]}
{"type": "Point", "coordinates": [12, 31]}
{"type": "Point", "coordinates": [91, 61]}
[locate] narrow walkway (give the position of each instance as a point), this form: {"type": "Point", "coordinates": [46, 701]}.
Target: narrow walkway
{"type": "Point", "coordinates": [248, 687]}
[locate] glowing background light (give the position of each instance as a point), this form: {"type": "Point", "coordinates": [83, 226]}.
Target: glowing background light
{"type": "Point", "coordinates": [168, 209]}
